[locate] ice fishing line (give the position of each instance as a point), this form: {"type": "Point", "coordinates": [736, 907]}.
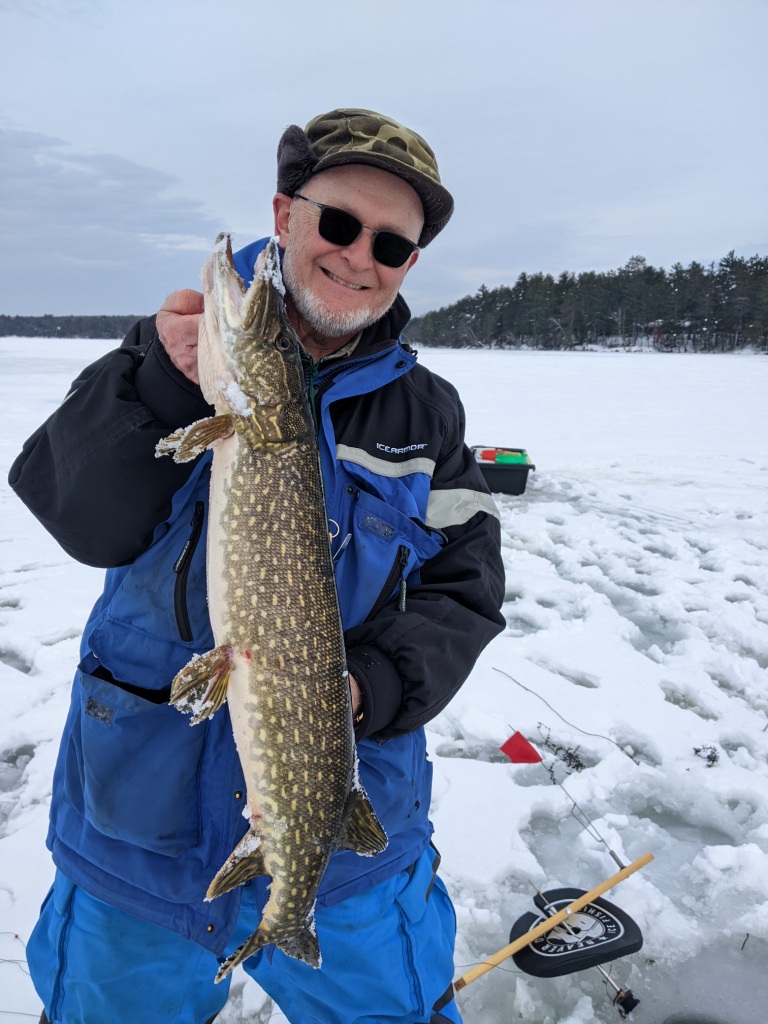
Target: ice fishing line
{"type": "Point", "coordinates": [584, 732]}
{"type": "Point", "coordinates": [570, 930]}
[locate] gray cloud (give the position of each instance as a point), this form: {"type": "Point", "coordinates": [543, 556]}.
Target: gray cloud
{"type": "Point", "coordinates": [573, 135]}
{"type": "Point", "coordinates": [92, 233]}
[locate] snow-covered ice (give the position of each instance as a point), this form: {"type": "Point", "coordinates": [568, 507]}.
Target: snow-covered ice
{"type": "Point", "coordinates": [635, 659]}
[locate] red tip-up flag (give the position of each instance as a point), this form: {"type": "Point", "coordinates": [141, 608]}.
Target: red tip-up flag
{"type": "Point", "coordinates": [519, 750]}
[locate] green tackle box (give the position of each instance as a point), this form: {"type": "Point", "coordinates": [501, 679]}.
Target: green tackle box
{"type": "Point", "coordinates": [505, 470]}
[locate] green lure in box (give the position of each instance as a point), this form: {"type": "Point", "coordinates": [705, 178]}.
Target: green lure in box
{"type": "Point", "coordinates": [505, 470]}
{"type": "Point", "coordinates": [512, 458]}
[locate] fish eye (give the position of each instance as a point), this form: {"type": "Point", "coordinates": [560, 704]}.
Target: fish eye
{"type": "Point", "coordinates": [283, 344]}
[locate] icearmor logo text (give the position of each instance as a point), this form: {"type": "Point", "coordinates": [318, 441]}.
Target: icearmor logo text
{"type": "Point", "coordinates": [399, 451]}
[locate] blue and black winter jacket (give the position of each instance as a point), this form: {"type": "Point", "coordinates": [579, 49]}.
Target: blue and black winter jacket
{"type": "Point", "coordinates": [145, 809]}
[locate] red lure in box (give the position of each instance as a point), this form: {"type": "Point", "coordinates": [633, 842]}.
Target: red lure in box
{"type": "Point", "coordinates": [505, 470]}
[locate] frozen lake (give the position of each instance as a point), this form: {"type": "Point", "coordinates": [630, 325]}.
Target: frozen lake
{"type": "Point", "coordinates": [635, 659]}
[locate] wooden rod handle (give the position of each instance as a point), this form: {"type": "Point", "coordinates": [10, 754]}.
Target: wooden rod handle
{"type": "Point", "coordinates": [550, 923]}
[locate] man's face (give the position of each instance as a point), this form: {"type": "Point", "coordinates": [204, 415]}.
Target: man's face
{"type": "Point", "coordinates": [338, 290]}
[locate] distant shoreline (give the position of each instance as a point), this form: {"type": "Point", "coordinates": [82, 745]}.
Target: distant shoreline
{"type": "Point", "coordinates": [49, 326]}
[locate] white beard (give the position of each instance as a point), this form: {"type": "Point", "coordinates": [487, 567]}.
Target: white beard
{"type": "Point", "coordinates": [322, 318]}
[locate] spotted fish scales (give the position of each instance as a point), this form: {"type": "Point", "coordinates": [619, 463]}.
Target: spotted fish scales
{"type": "Point", "coordinates": [279, 657]}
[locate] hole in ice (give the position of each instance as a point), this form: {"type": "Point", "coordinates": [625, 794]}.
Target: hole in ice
{"type": "Point", "coordinates": [13, 659]}
{"type": "Point", "coordinates": [585, 679]}
{"type": "Point", "coordinates": [459, 747]}
{"type": "Point", "coordinates": [12, 765]}
{"type": "Point", "coordinates": [744, 579]}
{"type": "Point", "coordinates": [519, 625]}
{"type": "Point", "coordinates": [680, 699]}
{"type": "Point", "coordinates": [697, 832]}
{"type": "Point", "coordinates": [694, 1018]}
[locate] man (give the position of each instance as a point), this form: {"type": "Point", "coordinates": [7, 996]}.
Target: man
{"type": "Point", "coordinates": [145, 809]}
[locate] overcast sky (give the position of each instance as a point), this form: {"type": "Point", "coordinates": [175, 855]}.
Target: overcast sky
{"type": "Point", "coordinates": [573, 134]}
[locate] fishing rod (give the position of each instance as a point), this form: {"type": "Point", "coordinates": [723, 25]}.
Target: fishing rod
{"type": "Point", "coordinates": [571, 930]}
{"type": "Point", "coordinates": [623, 998]}
{"type": "Point", "coordinates": [590, 956]}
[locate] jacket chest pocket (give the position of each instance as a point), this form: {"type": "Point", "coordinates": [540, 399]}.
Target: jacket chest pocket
{"type": "Point", "coordinates": [157, 616]}
{"type": "Point", "coordinates": [377, 554]}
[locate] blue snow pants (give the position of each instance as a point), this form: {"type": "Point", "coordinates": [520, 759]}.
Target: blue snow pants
{"type": "Point", "coordinates": [387, 956]}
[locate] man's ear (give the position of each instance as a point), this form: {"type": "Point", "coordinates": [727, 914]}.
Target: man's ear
{"type": "Point", "coordinates": [412, 259]}
{"type": "Point", "coordinates": [281, 205]}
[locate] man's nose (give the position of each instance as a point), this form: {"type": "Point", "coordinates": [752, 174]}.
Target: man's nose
{"type": "Point", "coordinates": [359, 253]}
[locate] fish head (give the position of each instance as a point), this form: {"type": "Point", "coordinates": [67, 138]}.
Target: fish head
{"type": "Point", "coordinates": [249, 354]}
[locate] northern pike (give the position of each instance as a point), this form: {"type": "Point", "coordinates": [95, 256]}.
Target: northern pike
{"type": "Point", "coordinates": [279, 656]}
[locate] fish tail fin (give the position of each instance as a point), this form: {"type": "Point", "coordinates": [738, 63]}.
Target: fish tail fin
{"type": "Point", "coordinates": [302, 946]}
{"type": "Point", "coordinates": [189, 442]}
{"type": "Point", "coordinates": [244, 863]}
{"type": "Point", "coordinates": [363, 833]}
{"type": "Point", "coordinates": [201, 687]}
{"type": "Point", "coordinates": [251, 945]}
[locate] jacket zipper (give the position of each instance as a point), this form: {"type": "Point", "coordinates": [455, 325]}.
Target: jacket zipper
{"type": "Point", "coordinates": [181, 568]}
{"type": "Point", "coordinates": [318, 380]}
{"type": "Point", "coordinates": [396, 572]}
{"type": "Point", "coordinates": [317, 383]}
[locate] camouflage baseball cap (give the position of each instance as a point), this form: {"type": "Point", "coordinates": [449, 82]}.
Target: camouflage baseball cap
{"type": "Point", "coordinates": [364, 137]}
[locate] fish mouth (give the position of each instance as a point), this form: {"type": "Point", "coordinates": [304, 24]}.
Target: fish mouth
{"type": "Point", "coordinates": [343, 283]}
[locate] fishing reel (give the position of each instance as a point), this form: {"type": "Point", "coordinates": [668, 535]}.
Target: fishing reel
{"type": "Point", "coordinates": [593, 935]}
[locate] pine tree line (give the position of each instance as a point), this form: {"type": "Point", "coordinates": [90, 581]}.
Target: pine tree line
{"type": "Point", "coordinates": [49, 326]}
{"type": "Point", "coordinates": [717, 308]}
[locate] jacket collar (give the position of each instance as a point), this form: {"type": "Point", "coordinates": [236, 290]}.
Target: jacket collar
{"type": "Point", "coordinates": [386, 331]}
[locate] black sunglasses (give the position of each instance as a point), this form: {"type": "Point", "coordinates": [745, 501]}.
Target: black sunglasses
{"type": "Point", "coordinates": [341, 228]}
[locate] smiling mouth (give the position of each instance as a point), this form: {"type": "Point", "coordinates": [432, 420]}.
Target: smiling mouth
{"type": "Point", "coordinates": [343, 283]}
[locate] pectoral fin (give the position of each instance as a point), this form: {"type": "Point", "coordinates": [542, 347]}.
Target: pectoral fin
{"type": "Point", "coordinates": [244, 863]}
{"type": "Point", "coordinates": [363, 833]}
{"type": "Point", "coordinates": [189, 442]}
{"type": "Point", "coordinates": [201, 687]}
